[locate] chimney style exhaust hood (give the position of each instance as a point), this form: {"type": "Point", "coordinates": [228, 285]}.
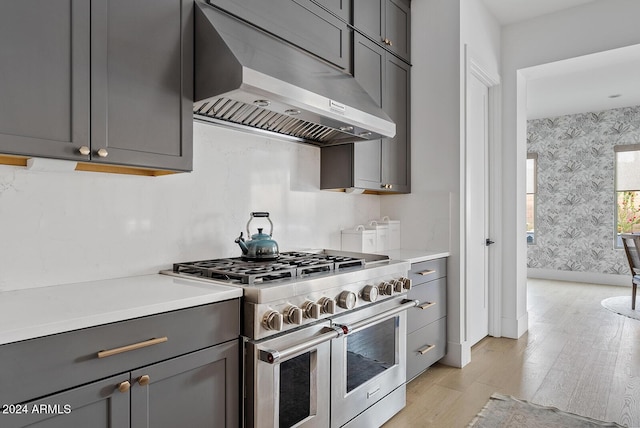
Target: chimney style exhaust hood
{"type": "Point", "coordinates": [247, 78]}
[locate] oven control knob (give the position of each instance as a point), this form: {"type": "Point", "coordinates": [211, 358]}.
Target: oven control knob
{"type": "Point", "coordinates": [370, 293]}
{"type": "Point", "coordinates": [272, 320]}
{"type": "Point", "coordinates": [347, 300]}
{"type": "Point", "coordinates": [398, 285]}
{"type": "Point", "coordinates": [406, 283]}
{"type": "Point", "coordinates": [327, 305]}
{"type": "Point", "coordinates": [293, 315]}
{"type": "Point", "coordinates": [311, 309]}
{"type": "Point", "coordinates": [386, 288]}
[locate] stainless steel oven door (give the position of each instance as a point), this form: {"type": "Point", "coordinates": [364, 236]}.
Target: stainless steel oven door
{"type": "Point", "coordinates": [369, 362]}
{"type": "Point", "coordinates": [287, 379]}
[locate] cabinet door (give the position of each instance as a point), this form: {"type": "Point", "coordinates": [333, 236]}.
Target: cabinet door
{"type": "Point", "coordinates": [395, 151]}
{"type": "Point", "coordinates": [368, 70]}
{"type": "Point", "coordinates": [201, 389]}
{"type": "Point", "coordinates": [44, 83]}
{"type": "Point", "coordinates": [388, 22]}
{"type": "Point", "coordinates": [398, 27]}
{"type": "Point", "coordinates": [96, 405]}
{"type": "Point", "coordinates": [341, 8]}
{"type": "Point", "coordinates": [368, 17]}
{"type": "Point", "coordinates": [299, 22]}
{"type": "Point", "coordinates": [141, 82]}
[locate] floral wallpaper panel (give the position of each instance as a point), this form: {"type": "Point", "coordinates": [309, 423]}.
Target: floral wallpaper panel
{"type": "Point", "coordinates": [575, 195]}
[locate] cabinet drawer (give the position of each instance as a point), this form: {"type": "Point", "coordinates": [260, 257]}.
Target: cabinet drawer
{"type": "Point", "coordinates": [69, 359]}
{"type": "Point", "coordinates": [433, 304]}
{"type": "Point", "coordinates": [425, 347]}
{"type": "Point", "coordinates": [428, 271]}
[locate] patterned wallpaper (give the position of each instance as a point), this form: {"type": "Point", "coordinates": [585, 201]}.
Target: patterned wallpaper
{"type": "Point", "coordinates": [575, 199]}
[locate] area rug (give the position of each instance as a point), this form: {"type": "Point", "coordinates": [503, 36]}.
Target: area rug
{"type": "Point", "coordinates": [503, 411]}
{"type": "Point", "coordinates": [622, 305]}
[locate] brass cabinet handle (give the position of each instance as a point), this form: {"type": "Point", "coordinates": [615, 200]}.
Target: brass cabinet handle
{"type": "Point", "coordinates": [103, 153]}
{"type": "Point", "coordinates": [144, 380]}
{"type": "Point", "coordinates": [84, 150]}
{"type": "Point", "coordinates": [426, 305]}
{"type": "Point", "coordinates": [426, 272]}
{"type": "Point", "coordinates": [124, 386]}
{"type": "Point", "coordinates": [132, 347]}
{"type": "Point", "coordinates": [426, 349]}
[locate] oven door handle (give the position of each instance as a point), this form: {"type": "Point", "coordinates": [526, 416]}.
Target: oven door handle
{"type": "Point", "coordinates": [406, 304]}
{"type": "Point", "coordinates": [273, 356]}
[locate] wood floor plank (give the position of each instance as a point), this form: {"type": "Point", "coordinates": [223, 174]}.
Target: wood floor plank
{"type": "Point", "coordinates": [576, 356]}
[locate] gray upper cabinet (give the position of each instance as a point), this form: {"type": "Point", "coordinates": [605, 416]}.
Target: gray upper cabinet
{"type": "Point", "coordinates": [377, 165]}
{"type": "Point", "coordinates": [388, 22]}
{"type": "Point", "coordinates": [44, 88]}
{"type": "Point", "coordinates": [340, 8]}
{"type": "Point", "coordinates": [141, 82]}
{"type": "Point", "coordinates": [303, 23]}
{"type": "Point", "coordinates": [100, 81]}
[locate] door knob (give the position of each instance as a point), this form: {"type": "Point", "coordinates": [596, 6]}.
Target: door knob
{"type": "Point", "coordinates": [489, 242]}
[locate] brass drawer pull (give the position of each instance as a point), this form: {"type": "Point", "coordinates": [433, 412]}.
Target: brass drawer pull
{"type": "Point", "coordinates": [132, 347]}
{"type": "Point", "coordinates": [426, 272]}
{"type": "Point", "coordinates": [144, 380]}
{"type": "Point", "coordinates": [426, 349]}
{"type": "Point", "coordinates": [426, 305]}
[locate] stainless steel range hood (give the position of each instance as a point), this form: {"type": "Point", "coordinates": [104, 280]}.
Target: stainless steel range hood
{"type": "Point", "coordinates": [247, 78]}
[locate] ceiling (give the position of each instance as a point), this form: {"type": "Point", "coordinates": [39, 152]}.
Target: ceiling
{"type": "Point", "coordinates": [595, 82]}
{"type": "Point", "coordinates": [512, 11]}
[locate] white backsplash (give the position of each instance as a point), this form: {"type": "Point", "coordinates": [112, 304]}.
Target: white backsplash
{"type": "Point", "coordinates": [63, 227]}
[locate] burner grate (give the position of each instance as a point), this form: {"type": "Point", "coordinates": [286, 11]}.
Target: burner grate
{"type": "Point", "coordinates": [288, 265]}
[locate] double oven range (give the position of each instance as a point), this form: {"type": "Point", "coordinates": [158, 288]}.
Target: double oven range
{"type": "Point", "coordinates": [324, 336]}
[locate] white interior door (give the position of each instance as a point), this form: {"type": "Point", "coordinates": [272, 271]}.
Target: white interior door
{"type": "Point", "coordinates": [477, 272]}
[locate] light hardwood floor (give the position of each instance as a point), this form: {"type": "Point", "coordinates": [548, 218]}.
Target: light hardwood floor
{"type": "Point", "coordinates": [576, 356]}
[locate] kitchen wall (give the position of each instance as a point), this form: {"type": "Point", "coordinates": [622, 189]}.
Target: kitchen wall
{"type": "Point", "coordinates": [63, 227]}
{"type": "Point", "coordinates": [575, 202]}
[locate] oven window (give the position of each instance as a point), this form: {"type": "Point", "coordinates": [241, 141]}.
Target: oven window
{"type": "Point", "coordinates": [370, 352]}
{"type": "Point", "coordinates": [295, 390]}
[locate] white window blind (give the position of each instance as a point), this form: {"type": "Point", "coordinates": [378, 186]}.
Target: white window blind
{"type": "Point", "coordinates": [627, 167]}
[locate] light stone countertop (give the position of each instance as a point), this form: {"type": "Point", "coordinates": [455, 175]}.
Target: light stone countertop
{"type": "Point", "coordinates": [36, 312]}
{"type": "Point", "coordinates": [415, 256]}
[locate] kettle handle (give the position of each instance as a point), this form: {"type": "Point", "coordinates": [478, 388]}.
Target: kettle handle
{"type": "Point", "coordinates": [260, 214]}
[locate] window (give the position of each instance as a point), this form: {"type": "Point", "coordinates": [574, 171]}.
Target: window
{"type": "Point", "coordinates": [532, 187]}
{"type": "Point", "coordinates": [627, 189]}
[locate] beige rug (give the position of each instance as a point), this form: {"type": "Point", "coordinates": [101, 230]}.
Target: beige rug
{"type": "Point", "coordinates": [503, 411]}
{"type": "Point", "coordinates": [622, 305]}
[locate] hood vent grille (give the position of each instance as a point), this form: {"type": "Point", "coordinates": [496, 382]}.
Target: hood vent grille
{"type": "Point", "coordinates": [236, 112]}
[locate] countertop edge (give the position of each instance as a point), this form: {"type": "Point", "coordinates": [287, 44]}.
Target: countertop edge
{"type": "Point", "coordinates": [415, 255]}
{"type": "Point", "coordinates": [60, 324]}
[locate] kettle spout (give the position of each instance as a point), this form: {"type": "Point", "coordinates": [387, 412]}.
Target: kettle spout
{"type": "Point", "coordinates": [240, 241]}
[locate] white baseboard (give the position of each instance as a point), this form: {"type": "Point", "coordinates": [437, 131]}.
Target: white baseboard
{"type": "Point", "coordinates": [574, 276]}
{"type": "Point", "coordinates": [514, 328]}
{"type": "Point", "coordinates": [458, 355]}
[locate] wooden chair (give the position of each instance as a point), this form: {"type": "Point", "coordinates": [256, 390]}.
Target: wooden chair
{"type": "Point", "coordinates": [632, 249]}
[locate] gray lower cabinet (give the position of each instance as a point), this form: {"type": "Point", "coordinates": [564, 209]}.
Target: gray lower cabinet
{"type": "Point", "coordinates": [427, 323]}
{"type": "Point", "coordinates": [303, 23]}
{"type": "Point", "coordinates": [388, 22]}
{"type": "Point", "coordinates": [190, 377]}
{"type": "Point", "coordinates": [99, 81]}
{"type": "Point", "coordinates": [377, 165]}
